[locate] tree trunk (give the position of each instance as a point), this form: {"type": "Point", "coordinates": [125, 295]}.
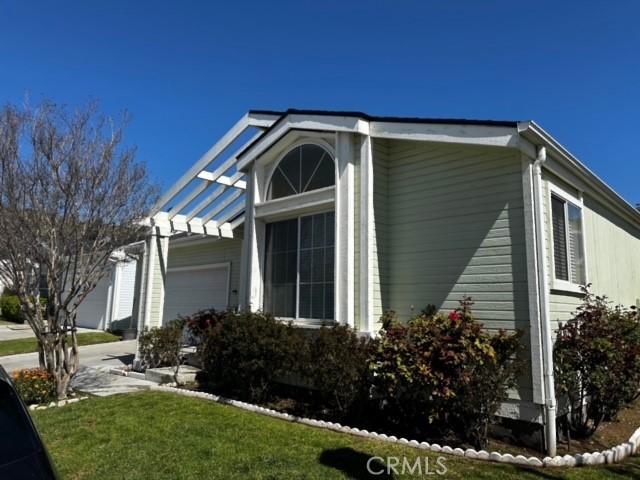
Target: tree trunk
{"type": "Point", "coordinates": [62, 361]}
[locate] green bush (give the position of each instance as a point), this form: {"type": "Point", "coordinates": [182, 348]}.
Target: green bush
{"type": "Point", "coordinates": [161, 346]}
{"type": "Point", "coordinates": [442, 374]}
{"type": "Point", "coordinates": [335, 367]}
{"type": "Point", "coordinates": [597, 362]}
{"type": "Point", "coordinates": [244, 354]}
{"type": "Point", "coordinates": [35, 385]}
{"type": "Point", "coordinates": [10, 308]}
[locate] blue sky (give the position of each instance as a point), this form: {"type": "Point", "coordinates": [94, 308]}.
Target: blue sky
{"type": "Point", "coordinates": [187, 70]}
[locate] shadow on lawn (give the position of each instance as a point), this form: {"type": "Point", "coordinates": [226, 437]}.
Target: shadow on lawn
{"type": "Point", "coordinates": [353, 463]}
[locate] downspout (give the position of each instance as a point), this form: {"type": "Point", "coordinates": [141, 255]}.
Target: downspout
{"type": "Point", "coordinates": [545, 323]}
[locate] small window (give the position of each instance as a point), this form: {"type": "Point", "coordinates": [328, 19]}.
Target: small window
{"type": "Point", "coordinates": [305, 168]}
{"type": "Point", "coordinates": [568, 241]}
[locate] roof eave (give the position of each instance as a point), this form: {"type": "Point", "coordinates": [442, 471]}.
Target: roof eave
{"type": "Point", "coordinates": [535, 134]}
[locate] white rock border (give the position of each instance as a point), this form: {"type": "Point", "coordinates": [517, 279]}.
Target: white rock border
{"type": "Point", "coordinates": [612, 455]}
{"type": "Point", "coordinates": [59, 403]}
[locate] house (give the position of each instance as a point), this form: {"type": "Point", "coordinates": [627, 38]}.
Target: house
{"type": "Point", "coordinates": [110, 304]}
{"type": "Point", "coordinates": [320, 216]}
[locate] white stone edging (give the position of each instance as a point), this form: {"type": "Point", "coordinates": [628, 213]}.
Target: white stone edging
{"type": "Point", "coordinates": [612, 455]}
{"type": "Point", "coordinates": [59, 403]}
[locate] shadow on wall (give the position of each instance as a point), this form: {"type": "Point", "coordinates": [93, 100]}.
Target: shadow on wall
{"type": "Point", "coordinates": [454, 227]}
{"type": "Point", "coordinates": [354, 464]}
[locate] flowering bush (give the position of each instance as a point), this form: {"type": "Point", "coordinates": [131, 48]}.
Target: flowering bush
{"type": "Point", "coordinates": [442, 373]}
{"type": "Point", "coordinates": [597, 362]}
{"type": "Point", "coordinates": [35, 385]}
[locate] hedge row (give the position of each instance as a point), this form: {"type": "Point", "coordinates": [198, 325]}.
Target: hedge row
{"type": "Point", "coordinates": [437, 375]}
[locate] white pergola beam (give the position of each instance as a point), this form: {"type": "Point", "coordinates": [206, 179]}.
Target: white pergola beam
{"type": "Point", "coordinates": [236, 176]}
{"type": "Point", "coordinates": [231, 213]}
{"type": "Point", "coordinates": [175, 210]}
{"type": "Point", "coordinates": [256, 120]}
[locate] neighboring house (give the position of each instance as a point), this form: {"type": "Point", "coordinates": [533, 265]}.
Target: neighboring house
{"type": "Point", "coordinates": [339, 216]}
{"type": "Point", "coordinates": [110, 304]}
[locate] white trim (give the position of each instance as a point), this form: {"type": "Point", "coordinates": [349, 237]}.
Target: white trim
{"type": "Point", "coordinates": [367, 233]}
{"type": "Point", "coordinates": [557, 284]}
{"type": "Point", "coordinates": [149, 280]}
{"type": "Point", "coordinates": [204, 266]}
{"type": "Point", "coordinates": [345, 242]}
{"type": "Point", "coordinates": [312, 201]}
{"type": "Point", "coordinates": [434, 132]}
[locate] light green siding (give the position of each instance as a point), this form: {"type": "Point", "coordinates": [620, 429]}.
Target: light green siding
{"type": "Point", "coordinates": [380, 149]}
{"type": "Point", "coordinates": [456, 227]}
{"type": "Point", "coordinates": [612, 255]}
{"type": "Point", "coordinates": [358, 320]}
{"type": "Point", "coordinates": [450, 223]}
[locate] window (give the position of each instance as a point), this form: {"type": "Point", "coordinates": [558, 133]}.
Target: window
{"type": "Point", "coordinates": [305, 168]}
{"type": "Point", "coordinates": [568, 242]}
{"type": "Point", "coordinates": [299, 267]}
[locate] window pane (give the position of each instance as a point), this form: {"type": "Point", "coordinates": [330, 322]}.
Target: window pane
{"type": "Point", "coordinates": [304, 307]}
{"type": "Point", "coordinates": [559, 239]}
{"type": "Point", "coordinates": [316, 267]}
{"type": "Point", "coordinates": [280, 268]}
{"type": "Point", "coordinates": [280, 187]}
{"type": "Point", "coordinates": [324, 175]}
{"type": "Point", "coordinates": [576, 245]}
{"type": "Point", "coordinates": [306, 232]}
{"type": "Point", "coordinates": [307, 167]}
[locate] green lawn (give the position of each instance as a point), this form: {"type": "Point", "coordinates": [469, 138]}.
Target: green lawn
{"type": "Point", "coordinates": [6, 322]}
{"type": "Point", "coordinates": [27, 345]}
{"type": "Point", "coordinates": [164, 436]}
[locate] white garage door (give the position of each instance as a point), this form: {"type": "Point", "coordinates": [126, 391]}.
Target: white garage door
{"type": "Point", "coordinates": [93, 309]}
{"type": "Point", "coordinates": [193, 289]}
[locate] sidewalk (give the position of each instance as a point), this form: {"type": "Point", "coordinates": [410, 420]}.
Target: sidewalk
{"type": "Point", "coordinates": [96, 381]}
{"type": "Point", "coordinates": [22, 330]}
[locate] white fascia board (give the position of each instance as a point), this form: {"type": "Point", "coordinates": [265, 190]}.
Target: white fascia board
{"type": "Point", "coordinates": [603, 192]}
{"type": "Point", "coordinates": [303, 122]}
{"type": "Point", "coordinates": [488, 135]}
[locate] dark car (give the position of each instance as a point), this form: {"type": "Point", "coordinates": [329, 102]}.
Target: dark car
{"type": "Point", "coordinates": [22, 453]}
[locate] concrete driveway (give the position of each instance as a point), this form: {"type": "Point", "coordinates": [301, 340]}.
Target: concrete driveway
{"type": "Point", "coordinates": [116, 354]}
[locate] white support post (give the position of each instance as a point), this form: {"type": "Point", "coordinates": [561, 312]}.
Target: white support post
{"type": "Point", "coordinates": [367, 232]}
{"type": "Point", "coordinates": [344, 281]}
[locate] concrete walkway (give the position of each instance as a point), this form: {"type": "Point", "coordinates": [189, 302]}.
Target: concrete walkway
{"type": "Point", "coordinates": [96, 381]}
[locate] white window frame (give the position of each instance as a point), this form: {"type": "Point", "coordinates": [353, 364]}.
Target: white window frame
{"type": "Point", "coordinates": [559, 284]}
{"type": "Point", "coordinates": [307, 322]}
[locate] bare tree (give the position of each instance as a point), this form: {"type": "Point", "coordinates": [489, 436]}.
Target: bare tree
{"type": "Point", "coordinates": [70, 195]}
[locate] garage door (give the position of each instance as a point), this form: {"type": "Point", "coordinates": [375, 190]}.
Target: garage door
{"type": "Point", "coordinates": [188, 290]}
{"type": "Point", "coordinates": [92, 311]}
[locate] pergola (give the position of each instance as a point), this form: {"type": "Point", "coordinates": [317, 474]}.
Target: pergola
{"type": "Point", "coordinates": [209, 198]}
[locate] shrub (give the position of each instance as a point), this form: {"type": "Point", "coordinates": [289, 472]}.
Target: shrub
{"type": "Point", "coordinates": [161, 346]}
{"type": "Point", "coordinates": [10, 308]}
{"type": "Point", "coordinates": [35, 385]}
{"type": "Point", "coordinates": [335, 368]}
{"type": "Point", "coordinates": [597, 362]}
{"type": "Point", "coordinates": [245, 353]}
{"type": "Point", "coordinates": [442, 373]}
{"type": "Point", "coordinates": [199, 324]}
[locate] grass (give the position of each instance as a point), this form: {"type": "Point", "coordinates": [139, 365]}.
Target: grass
{"type": "Point", "coordinates": [6, 322]}
{"type": "Point", "coordinates": [28, 345]}
{"type": "Point", "coordinates": [164, 436]}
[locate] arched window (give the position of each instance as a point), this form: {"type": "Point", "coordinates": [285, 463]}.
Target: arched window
{"type": "Point", "coordinates": [307, 167]}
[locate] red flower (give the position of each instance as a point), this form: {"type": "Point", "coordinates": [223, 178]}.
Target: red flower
{"type": "Point", "coordinates": [455, 315]}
